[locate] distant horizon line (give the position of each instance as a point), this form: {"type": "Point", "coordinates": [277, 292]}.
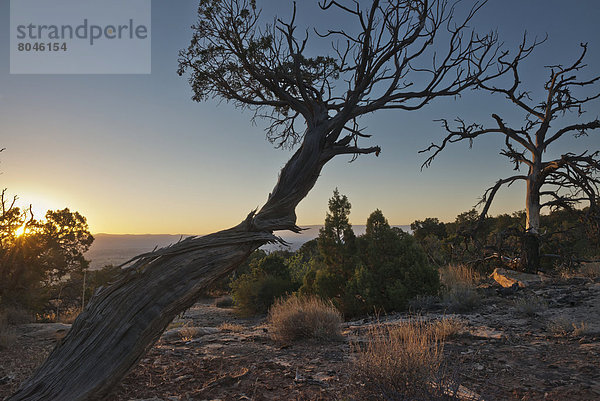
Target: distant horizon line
{"type": "Point", "coordinates": [188, 235]}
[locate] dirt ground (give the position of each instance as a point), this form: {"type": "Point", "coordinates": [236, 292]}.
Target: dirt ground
{"type": "Point", "coordinates": [506, 351]}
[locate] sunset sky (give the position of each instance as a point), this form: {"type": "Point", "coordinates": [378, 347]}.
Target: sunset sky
{"type": "Point", "coordinates": [134, 154]}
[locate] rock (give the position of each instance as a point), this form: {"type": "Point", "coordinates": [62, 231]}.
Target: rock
{"type": "Point", "coordinates": [507, 278]}
{"type": "Point", "coordinates": [51, 331]}
{"type": "Point", "coordinates": [188, 333]}
{"type": "Point", "coordinates": [505, 291]}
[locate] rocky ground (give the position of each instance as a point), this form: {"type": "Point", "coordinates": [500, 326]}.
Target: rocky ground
{"type": "Point", "coordinates": [541, 342]}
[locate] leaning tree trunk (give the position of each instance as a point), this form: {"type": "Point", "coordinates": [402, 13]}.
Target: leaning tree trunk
{"type": "Point", "coordinates": [530, 244]}
{"type": "Point", "coordinates": [121, 322]}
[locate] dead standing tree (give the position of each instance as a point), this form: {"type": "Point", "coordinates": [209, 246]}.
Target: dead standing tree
{"type": "Point", "coordinates": [388, 64]}
{"type": "Point", "coordinates": [563, 182]}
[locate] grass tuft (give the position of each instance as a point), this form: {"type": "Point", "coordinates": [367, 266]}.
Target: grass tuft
{"type": "Point", "coordinates": [453, 276]}
{"type": "Point", "coordinates": [300, 317]}
{"type": "Point", "coordinates": [448, 327]}
{"type": "Point", "coordinates": [404, 362]}
{"type": "Point", "coordinates": [563, 326]}
{"type": "Point", "coordinates": [231, 327]}
{"type": "Point", "coordinates": [530, 306]}
{"type": "Point", "coordinates": [458, 288]}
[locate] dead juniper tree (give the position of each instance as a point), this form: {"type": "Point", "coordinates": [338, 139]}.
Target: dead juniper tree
{"type": "Point", "coordinates": [388, 61]}
{"type": "Point", "coordinates": [563, 182]}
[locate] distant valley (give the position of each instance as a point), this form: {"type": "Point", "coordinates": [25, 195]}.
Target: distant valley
{"type": "Point", "coordinates": [115, 249]}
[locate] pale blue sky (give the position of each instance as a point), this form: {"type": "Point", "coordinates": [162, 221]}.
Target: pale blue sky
{"type": "Point", "coordinates": [134, 154]}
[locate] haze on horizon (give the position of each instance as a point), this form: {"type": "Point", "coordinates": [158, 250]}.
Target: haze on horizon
{"type": "Point", "coordinates": [135, 155]}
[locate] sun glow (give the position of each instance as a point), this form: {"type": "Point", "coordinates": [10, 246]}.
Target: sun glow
{"type": "Point", "coordinates": [21, 230]}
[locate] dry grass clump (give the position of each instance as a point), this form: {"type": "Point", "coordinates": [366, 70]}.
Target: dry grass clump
{"type": "Point", "coordinates": [453, 276]}
{"type": "Point", "coordinates": [189, 333]}
{"type": "Point", "coordinates": [304, 317]}
{"type": "Point", "coordinates": [563, 326]}
{"type": "Point", "coordinates": [231, 327]}
{"type": "Point", "coordinates": [530, 306]}
{"type": "Point", "coordinates": [439, 329]}
{"type": "Point", "coordinates": [579, 329]}
{"type": "Point", "coordinates": [403, 362]}
{"type": "Point", "coordinates": [447, 327]}
{"type": "Point", "coordinates": [458, 283]}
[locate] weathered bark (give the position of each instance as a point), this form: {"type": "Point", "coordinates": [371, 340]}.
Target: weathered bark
{"type": "Point", "coordinates": [530, 246]}
{"type": "Point", "coordinates": [530, 252]}
{"type": "Point", "coordinates": [121, 322]}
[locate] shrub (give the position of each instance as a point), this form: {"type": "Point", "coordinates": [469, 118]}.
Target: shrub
{"type": "Point", "coordinates": [269, 279]}
{"type": "Point", "coordinates": [224, 302]}
{"type": "Point", "coordinates": [378, 271]}
{"type": "Point", "coordinates": [402, 362]}
{"type": "Point", "coordinates": [302, 261]}
{"type": "Point", "coordinates": [300, 317]}
{"type": "Point", "coordinates": [461, 299]}
{"type": "Point", "coordinates": [392, 269]}
{"type": "Point", "coordinates": [530, 306]}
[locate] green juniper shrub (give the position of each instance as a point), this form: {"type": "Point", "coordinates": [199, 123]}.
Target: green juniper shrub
{"type": "Point", "coordinates": [333, 267]}
{"type": "Point", "coordinates": [223, 285]}
{"type": "Point", "coordinates": [301, 262]}
{"type": "Point", "coordinates": [378, 271]}
{"type": "Point", "coordinates": [268, 279]}
{"type": "Point", "coordinates": [393, 269]}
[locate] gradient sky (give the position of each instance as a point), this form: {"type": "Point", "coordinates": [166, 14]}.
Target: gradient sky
{"type": "Point", "coordinates": [134, 154]}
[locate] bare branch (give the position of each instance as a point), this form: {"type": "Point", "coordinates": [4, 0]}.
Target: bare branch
{"type": "Point", "coordinates": [383, 66]}
{"type": "Point", "coordinates": [490, 193]}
